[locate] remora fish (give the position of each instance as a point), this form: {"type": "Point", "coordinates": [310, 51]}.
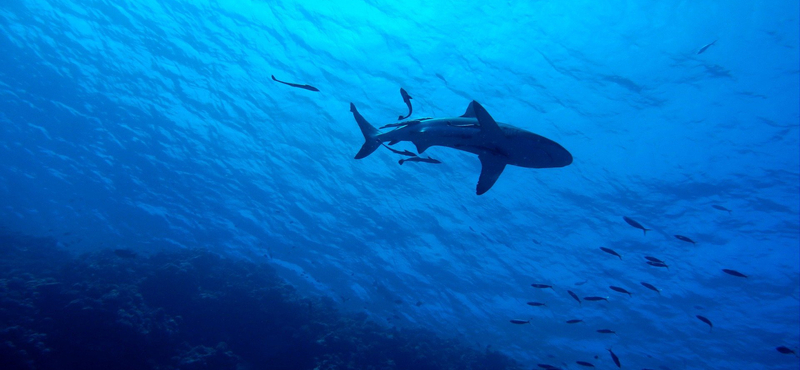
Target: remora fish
{"type": "Point", "coordinates": [635, 224]}
{"type": "Point", "coordinates": [406, 99]}
{"type": "Point", "coordinates": [307, 87]}
{"type": "Point", "coordinates": [418, 159]}
{"type": "Point", "coordinates": [495, 144]}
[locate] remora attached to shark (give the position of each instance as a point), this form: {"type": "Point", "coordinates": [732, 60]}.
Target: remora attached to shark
{"type": "Point", "coordinates": [495, 144]}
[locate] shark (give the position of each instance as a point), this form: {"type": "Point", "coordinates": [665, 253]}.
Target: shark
{"type": "Point", "coordinates": [496, 144]}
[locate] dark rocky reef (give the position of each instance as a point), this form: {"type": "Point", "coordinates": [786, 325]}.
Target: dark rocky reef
{"type": "Point", "coordinates": [190, 310]}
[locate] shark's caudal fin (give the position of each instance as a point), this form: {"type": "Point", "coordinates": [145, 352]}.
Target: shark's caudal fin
{"type": "Point", "coordinates": [370, 134]}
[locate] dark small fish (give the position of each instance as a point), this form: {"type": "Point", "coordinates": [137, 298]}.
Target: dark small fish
{"type": "Point", "coordinates": [418, 159]}
{"type": "Point", "coordinates": [621, 290]}
{"type": "Point", "coordinates": [610, 251]}
{"type": "Point", "coordinates": [595, 298]}
{"type": "Point", "coordinates": [520, 322]}
{"type": "Point", "coordinates": [606, 331]}
{"type": "Point", "coordinates": [546, 366]}
{"type": "Point", "coordinates": [575, 296]}
{"type": "Point", "coordinates": [684, 238]}
{"type": "Point", "coordinates": [406, 99]}
{"type": "Point", "coordinates": [707, 321]}
{"type": "Point", "coordinates": [307, 87]}
{"type": "Point", "coordinates": [401, 152]}
{"type": "Point", "coordinates": [704, 48]}
{"type": "Point", "coordinates": [734, 273]}
{"type": "Point", "coordinates": [653, 259]}
{"type": "Point", "coordinates": [785, 350]}
{"type": "Point", "coordinates": [614, 357]}
{"type": "Point", "coordinates": [581, 282]}
{"type": "Point", "coordinates": [657, 264]}
{"type": "Point", "coordinates": [649, 286]}
{"type": "Point", "coordinates": [542, 286]}
{"type": "Point", "coordinates": [124, 253]}
{"type": "Point", "coordinates": [536, 304]}
{"type": "Point", "coordinates": [584, 363]}
{"type": "Point", "coordinates": [721, 208]}
{"type": "Point", "coordinates": [574, 321]}
{"type": "Point", "coordinates": [635, 224]}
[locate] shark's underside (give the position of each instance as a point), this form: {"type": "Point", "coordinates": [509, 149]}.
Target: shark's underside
{"type": "Point", "coordinates": [495, 144]}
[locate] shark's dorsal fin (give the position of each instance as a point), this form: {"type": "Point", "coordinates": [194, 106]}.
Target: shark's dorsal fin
{"type": "Point", "coordinates": [485, 120]}
{"type": "Point", "coordinates": [491, 168]}
{"type": "Point", "coordinates": [470, 113]}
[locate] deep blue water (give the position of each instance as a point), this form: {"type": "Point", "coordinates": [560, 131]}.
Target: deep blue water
{"type": "Point", "coordinates": [154, 126]}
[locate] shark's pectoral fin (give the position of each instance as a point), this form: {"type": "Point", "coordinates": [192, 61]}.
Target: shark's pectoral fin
{"type": "Point", "coordinates": [491, 168]}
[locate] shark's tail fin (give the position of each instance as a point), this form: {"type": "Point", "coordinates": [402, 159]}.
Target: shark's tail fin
{"type": "Point", "coordinates": [370, 134]}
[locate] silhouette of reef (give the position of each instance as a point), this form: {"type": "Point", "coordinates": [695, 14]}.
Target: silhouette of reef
{"type": "Point", "coordinates": [190, 310]}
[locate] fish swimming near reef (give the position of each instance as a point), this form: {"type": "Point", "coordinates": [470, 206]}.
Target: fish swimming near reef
{"type": "Point", "coordinates": [595, 299]}
{"type": "Point", "coordinates": [621, 290]}
{"type": "Point", "coordinates": [299, 86]}
{"type": "Point", "coordinates": [574, 296]}
{"type": "Point", "coordinates": [406, 99]}
{"type": "Point", "coordinates": [635, 224]}
{"type": "Point", "coordinates": [786, 350]}
{"type": "Point", "coordinates": [614, 357]}
{"type": "Point", "coordinates": [721, 208]}
{"type": "Point", "coordinates": [734, 273]}
{"type": "Point", "coordinates": [707, 321]}
{"type": "Point", "coordinates": [704, 48]}
{"type": "Point", "coordinates": [610, 251]}
{"type": "Point", "coordinates": [496, 144]}
{"type": "Point", "coordinates": [651, 287]}
{"type": "Point", "coordinates": [685, 238]}
{"type": "Point", "coordinates": [657, 264]}
{"type": "Point", "coordinates": [653, 259]}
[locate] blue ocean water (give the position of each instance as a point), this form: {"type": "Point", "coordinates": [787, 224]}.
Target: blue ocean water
{"type": "Point", "coordinates": [154, 126]}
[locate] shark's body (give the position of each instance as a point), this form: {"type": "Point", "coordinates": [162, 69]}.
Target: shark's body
{"type": "Point", "coordinates": [495, 144]}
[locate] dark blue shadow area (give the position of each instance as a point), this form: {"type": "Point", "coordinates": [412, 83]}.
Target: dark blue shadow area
{"type": "Point", "coordinates": [189, 309]}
